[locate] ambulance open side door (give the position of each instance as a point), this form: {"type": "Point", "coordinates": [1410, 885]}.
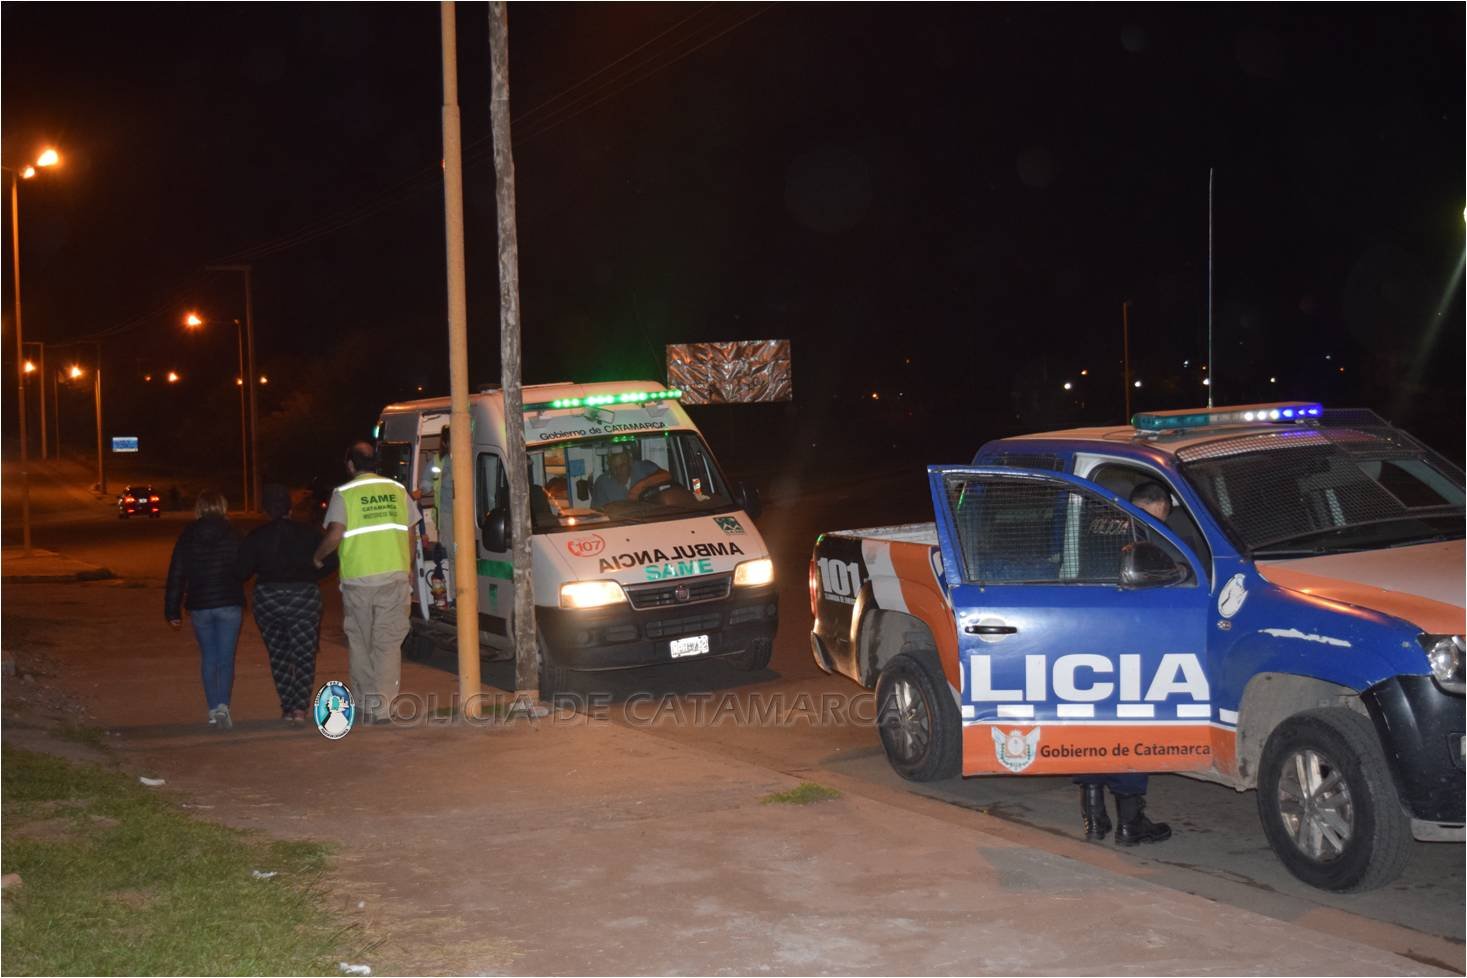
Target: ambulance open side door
{"type": "Point", "coordinates": [1082, 627]}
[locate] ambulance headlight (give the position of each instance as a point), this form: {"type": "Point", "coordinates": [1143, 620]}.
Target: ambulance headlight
{"type": "Point", "coordinates": [753, 573]}
{"type": "Point", "coordinates": [591, 594]}
{"type": "Point", "coordinates": [1444, 655]}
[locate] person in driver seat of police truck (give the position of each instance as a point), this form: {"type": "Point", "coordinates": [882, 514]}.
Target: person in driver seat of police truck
{"type": "Point", "coordinates": [625, 479]}
{"type": "Point", "coordinates": [1133, 827]}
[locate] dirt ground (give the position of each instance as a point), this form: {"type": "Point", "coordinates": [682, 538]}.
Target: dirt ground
{"type": "Point", "coordinates": [573, 845]}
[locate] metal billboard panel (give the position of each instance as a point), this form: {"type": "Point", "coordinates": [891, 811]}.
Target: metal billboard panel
{"type": "Point", "coordinates": [734, 372]}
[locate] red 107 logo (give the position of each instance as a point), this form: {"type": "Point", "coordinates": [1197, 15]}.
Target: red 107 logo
{"type": "Point", "coordinates": [587, 546]}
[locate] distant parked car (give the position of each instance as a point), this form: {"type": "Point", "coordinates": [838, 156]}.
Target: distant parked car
{"type": "Point", "coordinates": [138, 501]}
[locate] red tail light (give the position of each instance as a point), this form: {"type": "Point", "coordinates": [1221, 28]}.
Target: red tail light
{"type": "Point", "coordinates": [128, 499]}
{"type": "Point", "coordinates": [152, 499]}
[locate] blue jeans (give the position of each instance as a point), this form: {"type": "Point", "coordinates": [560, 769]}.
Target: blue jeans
{"type": "Point", "coordinates": [1119, 784]}
{"type": "Point", "coordinates": [217, 630]}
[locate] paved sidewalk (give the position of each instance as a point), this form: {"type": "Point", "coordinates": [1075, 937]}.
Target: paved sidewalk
{"type": "Point", "coordinates": [45, 566]}
{"type": "Point", "coordinates": [575, 846]}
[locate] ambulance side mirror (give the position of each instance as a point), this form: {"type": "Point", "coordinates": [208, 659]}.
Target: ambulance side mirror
{"type": "Point", "coordinates": [494, 529]}
{"type": "Point", "coordinates": [583, 489]}
{"type": "Point", "coordinates": [1145, 564]}
{"type": "Point", "coordinates": [748, 499]}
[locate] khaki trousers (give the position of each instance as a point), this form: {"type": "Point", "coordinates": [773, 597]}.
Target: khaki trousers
{"type": "Point", "coordinates": [375, 619]}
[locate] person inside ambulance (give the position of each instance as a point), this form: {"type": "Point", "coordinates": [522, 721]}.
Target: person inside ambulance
{"type": "Point", "coordinates": [1129, 790]}
{"type": "Point", "coordinates": [625, 479]}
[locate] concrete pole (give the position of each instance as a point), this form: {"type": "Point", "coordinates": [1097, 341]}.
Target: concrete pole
{"type": "Point", "coordinates": [56, 410]}
{"type": "Point", "coordinates": [526, 645]}
{"type": "Point", "coordinates": [1126, 356]}
{"type": "Point", "coordinates": [244, 428]}
{"type": "Point", "coordinates": [101, 458]}
{"type": "Point", "coordinates": [252, 381]}
{"type": "Point", "coordinates": [461, 449]}
{"type": "Point", "coordinates": [25, 464]}
{"type": "Point", "coordinates": [41, 400]}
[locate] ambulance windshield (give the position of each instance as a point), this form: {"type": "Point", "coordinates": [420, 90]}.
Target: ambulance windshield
{"type": "Point", "coordinates": [634, 478]}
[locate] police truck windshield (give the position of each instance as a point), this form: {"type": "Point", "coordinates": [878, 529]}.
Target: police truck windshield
{"type": "Point", "coordinates": [1302, 492]}
{"type": "Point", "coordinates": [634, 478]}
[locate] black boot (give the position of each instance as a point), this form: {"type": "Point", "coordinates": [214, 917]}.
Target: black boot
{"type": "Point", "coordinates": [1092, 811]}
{"type": "Point", "coordinates": [1134, 827]}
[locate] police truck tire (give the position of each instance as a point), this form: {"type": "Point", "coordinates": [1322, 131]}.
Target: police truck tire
{"type": "Point", "coordinates": [919, 723]}
{"type": "Point", "coordinates": [1328, 803]}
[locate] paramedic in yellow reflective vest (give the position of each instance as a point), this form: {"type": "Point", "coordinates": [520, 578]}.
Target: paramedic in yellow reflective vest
{"type": "Point", "coordinates": [371, 518]}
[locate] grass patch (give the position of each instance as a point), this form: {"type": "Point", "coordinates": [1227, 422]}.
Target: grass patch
{"type": "Point", "coordinates": [82, 734]}
{"type": "Point", "coordinates": [805, 793]}
{"type": "Point", "coordinates": [123, 883]}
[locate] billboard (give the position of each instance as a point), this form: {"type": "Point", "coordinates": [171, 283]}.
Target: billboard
{"type": "Point", "coordinates": [124, 443]}
{"type": "Point", "coordinates": [734, 372]}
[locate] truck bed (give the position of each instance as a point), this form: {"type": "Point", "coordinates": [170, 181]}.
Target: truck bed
{"type": "Point", "coordinates": [925, 533]}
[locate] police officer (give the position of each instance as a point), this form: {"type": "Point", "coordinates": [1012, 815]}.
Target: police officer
{"type": "Point", "coordinates": [371, 518]}
{"type": "Point", "coordinates": [1133, 826]}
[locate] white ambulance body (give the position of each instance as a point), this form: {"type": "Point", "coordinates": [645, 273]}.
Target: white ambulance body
{"type": "Point", "coordinates": [679, 574]}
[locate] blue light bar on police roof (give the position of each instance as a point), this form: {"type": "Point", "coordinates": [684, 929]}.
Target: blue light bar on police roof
{"type": "Point", "coordinates": [1240, 414]}
{"type": "Point", "coordinates": [604, 400]}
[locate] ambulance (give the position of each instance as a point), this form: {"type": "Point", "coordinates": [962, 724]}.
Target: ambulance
{"type": "Point", "coordinates": [675, 573]}
{"type": "Point", "coordinates": [1291, 621]}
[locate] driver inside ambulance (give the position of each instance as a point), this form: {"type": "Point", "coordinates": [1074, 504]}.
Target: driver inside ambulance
{"type": "Point", "coordinates": [626, 479]}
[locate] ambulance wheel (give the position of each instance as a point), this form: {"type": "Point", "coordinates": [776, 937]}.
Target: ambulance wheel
{"type": "Point", "coordinates": [921, 729]}
{"type": "Point", "coordinates": [554, 679]}
{"type": "Point", "coordinates": [1328, 803]}
{"type": "Point", "coordinates": [754, 658]}
{"type": "Point", "coordinates": [417, 647]}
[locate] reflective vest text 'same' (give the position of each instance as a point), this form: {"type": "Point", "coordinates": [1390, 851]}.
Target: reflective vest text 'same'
{"type": "Point", "coordinates": [376, 538]}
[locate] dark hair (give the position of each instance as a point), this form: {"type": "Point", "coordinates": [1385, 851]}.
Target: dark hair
{"type": "Point", "coordinates": [1150, 492]}
{"type": "Point", "coordinates": [362, 457]}
{"type": "Point", "coordinates": [275, 500]}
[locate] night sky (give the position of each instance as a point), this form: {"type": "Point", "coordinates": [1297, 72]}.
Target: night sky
{"type": "Point", "coordinates": [945, 206]}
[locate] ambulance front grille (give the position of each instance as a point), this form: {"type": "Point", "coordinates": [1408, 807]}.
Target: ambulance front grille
{"type": "Point", "coordinates": [692, 590]}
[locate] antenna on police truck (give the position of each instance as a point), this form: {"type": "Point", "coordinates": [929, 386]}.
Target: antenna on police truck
{"type": "Point", "coordinates": [1211, 366]}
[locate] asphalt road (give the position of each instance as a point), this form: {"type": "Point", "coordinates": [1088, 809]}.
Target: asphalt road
{"type": "Point", "coordinates": [818, 726]}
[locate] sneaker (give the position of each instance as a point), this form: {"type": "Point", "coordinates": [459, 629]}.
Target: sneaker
{"type": "Point", "coordinates": [214, 719]}
{"type": "Point", "coordinates": [225, 723]}
{"type": "Point", "coordinates": [299, 716]}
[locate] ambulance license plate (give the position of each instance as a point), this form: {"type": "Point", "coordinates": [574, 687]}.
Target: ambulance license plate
{"type": "Point", "coordinates": [692, 645]}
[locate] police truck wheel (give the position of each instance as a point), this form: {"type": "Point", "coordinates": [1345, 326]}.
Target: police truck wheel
{"type": "Point", "coordinates": [921, 729]}
{"type": "Point", "coordinates": [1328, 804]}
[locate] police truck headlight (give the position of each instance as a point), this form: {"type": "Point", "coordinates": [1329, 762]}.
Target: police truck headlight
{"type": "Point", "coordinates": [591, 594]}
{"type": "Point", "coordinates": [1444, 655]}
{"type": "Point", "coordinates": [753, 573]}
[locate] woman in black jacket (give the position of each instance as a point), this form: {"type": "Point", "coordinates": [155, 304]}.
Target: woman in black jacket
{"type": "Point", "coordinates": [287, 598]}
{"type": "Point", "coordinates": [201, 578]}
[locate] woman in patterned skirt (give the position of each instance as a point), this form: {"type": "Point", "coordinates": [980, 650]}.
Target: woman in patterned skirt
{"type": "Point", "coordinates": [280, 555]}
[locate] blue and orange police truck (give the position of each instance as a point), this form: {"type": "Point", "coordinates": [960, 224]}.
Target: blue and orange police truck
{"type": "Point", "coordinates": [1294, 625]}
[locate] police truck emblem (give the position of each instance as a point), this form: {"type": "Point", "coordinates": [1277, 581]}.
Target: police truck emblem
{"type": "Point", "coordinates": [1015, 749]}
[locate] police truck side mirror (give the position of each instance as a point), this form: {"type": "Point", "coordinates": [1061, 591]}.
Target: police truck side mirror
{"type": "Point", "coordinates": [748, 499]}
{"type": "Point", "coordinates": [494, 529]}
{"type": "Point", "coordinates": [1145, 564]}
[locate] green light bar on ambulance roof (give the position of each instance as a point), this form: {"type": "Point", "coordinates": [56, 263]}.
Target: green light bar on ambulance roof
{"type": "Point", "coordinates": [603, 400]}
{"type": "Point", "coordinates": [1241, 414]}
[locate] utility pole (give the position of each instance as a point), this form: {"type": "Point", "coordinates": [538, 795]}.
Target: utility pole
{"type": "Point", "coordinates": [41, 401]}
{"type": "Point", "coordinates": [25, 464]}
{"type": "Point", "coordinates": [1126, 355]}
{"type": "Point", "coordinates": [101, 458]}
{"type": "Point", "coordinates": [526, 645]}
{"type": "Point", "coordinates": [461, 449]}
{"type": "Point", "coordinates": [251, 378]}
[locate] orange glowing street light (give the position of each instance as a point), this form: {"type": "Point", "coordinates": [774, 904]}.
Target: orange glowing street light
{"type": "Point", "coordinates": [172, 377]}
{"type": "Point", "coordinates": [48, 157]}
{"type": "Point", "coordinates": [192, 320]}
{"type": "Point", "coordinates": [75, 372]}
{"type": "Point", "coordinates": [29, 367]}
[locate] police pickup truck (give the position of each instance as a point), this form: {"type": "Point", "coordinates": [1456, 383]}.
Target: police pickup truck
{"type": "Point", "coordinates": [1294, 625]}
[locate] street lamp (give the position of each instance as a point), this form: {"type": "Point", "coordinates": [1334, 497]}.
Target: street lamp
{"type": "Point", "coordinates": [248, 371]}
{"type": "Point", "coordinates": [48, 157]}
{"type": "Point", "coordinates": [38, 367]}
{"type": "Point", "coordinates": [76, 372]}
{"type": "Point", "coordinates": [193, 320]}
